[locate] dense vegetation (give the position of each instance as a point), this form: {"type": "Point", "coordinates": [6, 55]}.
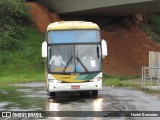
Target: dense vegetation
{"type": "Point", "coordinates": [152, 27]}
{"type": "Point", "coordinates": [14, 16]}
{"type": "Point", "coordinates": [20, 44]}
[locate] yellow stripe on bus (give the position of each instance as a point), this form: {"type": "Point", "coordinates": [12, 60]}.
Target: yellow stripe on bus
{"type": "Point", "coordinates": [67, 78]}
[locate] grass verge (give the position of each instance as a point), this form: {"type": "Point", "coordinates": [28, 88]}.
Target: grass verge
{"type": "Point", "coordinates": [25, 64]}
{"type": "Point", "coordinates": [118, 81]}
{"type": "Point", "coordinates": [133, 82]}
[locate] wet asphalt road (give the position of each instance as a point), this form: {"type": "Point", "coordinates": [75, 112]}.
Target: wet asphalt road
{"type": "Point", "coordinates": [33, 97]}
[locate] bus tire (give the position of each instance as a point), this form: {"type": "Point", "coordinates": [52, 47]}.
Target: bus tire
{"type": "Point", "coordinates": [94, 93]}
{"type": "Point", "coordinates": [52, 94]}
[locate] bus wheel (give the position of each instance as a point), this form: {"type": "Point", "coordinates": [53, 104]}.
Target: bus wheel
{"type": "Point", "coordinates": [52, 94]}
{"type": "Point", "coordinates": [94, 93]}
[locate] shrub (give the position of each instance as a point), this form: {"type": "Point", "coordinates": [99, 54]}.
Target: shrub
{"type": "Point", "coordinates": [28, 53]}
{"type": "Point", "coordinates": [153, 29]}
{"type": "Point", "coordinates": [5, 57]}
{"type": "Point", "coordinates": [13, 16]}
{"type": "Point", "coordinates": [156, 23]}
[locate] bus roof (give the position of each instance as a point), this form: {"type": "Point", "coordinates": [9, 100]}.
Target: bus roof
{"type": "Point", "coordinates": [63, 25]}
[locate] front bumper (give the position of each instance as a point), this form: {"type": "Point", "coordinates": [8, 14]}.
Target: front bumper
{"type": "Point", "coordinates": [55, 87]}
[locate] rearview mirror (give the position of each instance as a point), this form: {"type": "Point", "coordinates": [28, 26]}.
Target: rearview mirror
{"type": "Point", "coordinates": [104, 48]}
{"type": "Point", "coordinates": [44, 49]}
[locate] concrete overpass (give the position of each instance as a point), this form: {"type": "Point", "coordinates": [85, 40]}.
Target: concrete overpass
{"type": "Point", "coordinates": [102, 7]}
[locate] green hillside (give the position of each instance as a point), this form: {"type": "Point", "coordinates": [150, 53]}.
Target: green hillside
{"type": "Point", "coordinates": [24, 64]}
{"type": "Point", "coordinates": [20, 44]}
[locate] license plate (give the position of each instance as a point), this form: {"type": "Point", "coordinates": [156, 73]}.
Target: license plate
{"type": "Point", "coordinates": [75, 87]}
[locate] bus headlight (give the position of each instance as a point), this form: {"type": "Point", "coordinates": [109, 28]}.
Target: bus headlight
{"type": "Point", "coordinates": [95, 79]}
{"type": "Point", "coordinates": [54, 81]}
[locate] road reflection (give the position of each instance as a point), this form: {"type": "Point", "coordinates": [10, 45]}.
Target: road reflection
{"type": "Point", "coordinates": [72, 101]}
{"type": "Point", "coordinates": [51, 106]}
{"type": "Point", "coordinates": [97, 104]}
{"type": "Point", "coordinates": [69, 102]}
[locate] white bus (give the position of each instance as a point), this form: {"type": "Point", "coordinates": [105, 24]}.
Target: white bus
{"type": "Point", "coordinates": [73, 52]}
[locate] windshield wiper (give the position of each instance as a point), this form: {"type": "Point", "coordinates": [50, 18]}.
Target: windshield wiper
{"type": "Point", "coordinates": [70, 59]}
{"type": "Point", "coordinates": [82, 64]}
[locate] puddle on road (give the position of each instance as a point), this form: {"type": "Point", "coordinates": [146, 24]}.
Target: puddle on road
{"type": "Point", "coordinates": [24, 90]}
{"type": "Point", "coordinates": [33, 96]}
{"type": "Point", "coordinates": [3, 104]}
{"type": "Point", "coordinates": [31, 85]}
{"type": "Point", "coordinates": [18, 97]}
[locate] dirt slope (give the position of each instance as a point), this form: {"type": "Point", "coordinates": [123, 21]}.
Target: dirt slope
{"type": "Point", "coordinates": [128, 47]}
{"type": "Point", "coordinates": [127, 50]}
{"type": "Point", "coordinates": [41, 16]}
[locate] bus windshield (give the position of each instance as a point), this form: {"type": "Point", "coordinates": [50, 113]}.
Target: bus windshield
{"type": "Point", "coordinates": [81, 58]}
{"type": "Point", "coordinates": [73, 36]}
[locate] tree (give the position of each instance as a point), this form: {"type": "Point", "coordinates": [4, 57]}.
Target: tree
{"type": "Point", "coordinates": [13, 18]}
